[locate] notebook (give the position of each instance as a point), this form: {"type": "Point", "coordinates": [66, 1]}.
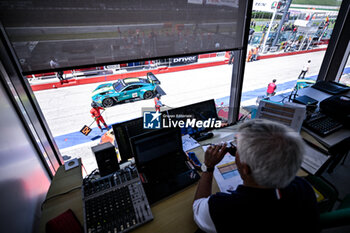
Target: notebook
{"type": "Point", "coordinates": [162, 163]}
{"type": "Point", "coordinates": [332, 88]}
{"type": "Point", "coordinates": [306, 100]}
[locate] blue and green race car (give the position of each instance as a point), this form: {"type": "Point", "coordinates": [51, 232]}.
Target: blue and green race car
{"type": "Point", "coordinates": [108, 94]}
{"type": "Point", "coordinates": [303, 83]}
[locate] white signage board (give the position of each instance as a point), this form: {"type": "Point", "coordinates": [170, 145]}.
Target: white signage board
{"type": "Point", "coordinates": [267, 5]}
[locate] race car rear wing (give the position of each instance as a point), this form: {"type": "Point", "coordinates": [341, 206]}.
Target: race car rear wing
{"type": "Point", "coordinates": [152, 78]}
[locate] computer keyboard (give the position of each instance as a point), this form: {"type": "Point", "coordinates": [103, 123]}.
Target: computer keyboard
{"type": "Point", "coordinates": [115, 203]}
{"type": "Point", "coordinates": [322, 125]}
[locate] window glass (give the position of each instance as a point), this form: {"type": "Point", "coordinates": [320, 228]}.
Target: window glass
{"type": "Point", "coordinates": [345, 75]}
{"type": "Point", "coordinates": [130, 88]}
{"type": "Point", "coordinates": [118, 86]}
{"type": "Point", "coordinates": [49, 34]}
{"type": "Point", "coordinates": [66, 103]}
{"type": "Point", "coordinates": [288, 46]}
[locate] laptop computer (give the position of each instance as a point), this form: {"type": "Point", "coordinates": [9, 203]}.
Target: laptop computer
{"type": "Point", "coordinates": [162, 163]}
{"type": "Point", "coordinates": [330, 87]}
{"type": "Point", "coordinates": [306, 100]}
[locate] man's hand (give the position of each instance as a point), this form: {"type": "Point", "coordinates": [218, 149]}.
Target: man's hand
{"type": "Point", "coordinates": [214, 155]}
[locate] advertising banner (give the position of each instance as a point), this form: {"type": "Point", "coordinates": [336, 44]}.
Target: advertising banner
{"type": "Point", "coordinates": [268, 5]}
{"type": "Point", "coordinates": [183, 60]}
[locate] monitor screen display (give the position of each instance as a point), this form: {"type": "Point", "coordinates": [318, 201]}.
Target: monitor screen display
{"type": "Point", "coordinates": [201, 111]}
{"type": "Point", "coordinates": [54, 35]}
{"type": "Point", "coordinates": [125, 130]}
{"type": "Point", "coordinates": [159, 143]}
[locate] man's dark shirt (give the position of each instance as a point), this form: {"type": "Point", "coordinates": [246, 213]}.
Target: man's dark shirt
{"type": "Point", "coordinates": [250, 209]}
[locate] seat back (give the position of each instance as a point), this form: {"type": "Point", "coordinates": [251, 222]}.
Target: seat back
{"type": "Point", "coordinates": [326, 193]}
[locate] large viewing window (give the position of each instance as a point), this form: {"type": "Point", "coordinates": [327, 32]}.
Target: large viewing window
{"type": "Point", "coordinates": [83, 33]}
{"type": "Point", "coordinates": [73, 52]}
{"type": "Point", "coordinates": [67, 50]}
{"type": "Point", "coordinates": [345, 74]}
{"type": "Point", "coordinates": [66, 105]}
{"type": "Point", "coordinates": [300, 46]}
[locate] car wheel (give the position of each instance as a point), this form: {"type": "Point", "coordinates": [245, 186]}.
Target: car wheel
{"type": "Point", "coordinates": [148, 95]}
{"type": "Point", "coordinates": [108, 102]}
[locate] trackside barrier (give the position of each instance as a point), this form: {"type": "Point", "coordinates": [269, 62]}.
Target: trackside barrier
{"type": "Point", "coordinates": [113, 77]}
{"type": "Point", "coordinates": [158, 70]}
{"type": "Point", "coordinates": [289, 53]}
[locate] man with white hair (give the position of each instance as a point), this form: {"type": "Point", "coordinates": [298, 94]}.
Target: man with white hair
{"type": "Point", "coordinates": [272, 198]}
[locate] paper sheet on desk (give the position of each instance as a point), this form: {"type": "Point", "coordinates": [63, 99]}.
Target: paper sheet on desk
{"type": "Point", "coordinates": [226, 173]}
{"type": "Point", "coordinates": [188, 143]}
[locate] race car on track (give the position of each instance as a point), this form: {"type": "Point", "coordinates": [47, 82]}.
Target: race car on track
{"type": "Point", "coordinates": [303, 83]}
{"type": "Point", "coordinates": [108, 94]}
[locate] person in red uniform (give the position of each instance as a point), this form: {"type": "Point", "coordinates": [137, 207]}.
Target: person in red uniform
{"type": "Point", "coordinates": [271, 88]}
{"type": "Point", "coordinates": [95, 113]}
{"type": "Point", "coordinates": [158, 103]}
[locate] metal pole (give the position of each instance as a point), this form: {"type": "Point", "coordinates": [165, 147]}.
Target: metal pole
{"type": "Point", "coordinates": [324, 30]}
{"type": "Point", "coordinates": [285, 11]}
{"type": "Point", "coordinates": [268, 30]}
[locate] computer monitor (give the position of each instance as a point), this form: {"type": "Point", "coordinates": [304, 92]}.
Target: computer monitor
{"type": "Point", "coordinates": [201, 111]}
{"type": "Point", "coordinates": [157, 144]}
{"type": "Point", "coordinates": [123, 132]}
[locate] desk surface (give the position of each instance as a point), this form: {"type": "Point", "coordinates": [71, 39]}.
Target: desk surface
{"type": "Point", "coordinates": [172, 214]}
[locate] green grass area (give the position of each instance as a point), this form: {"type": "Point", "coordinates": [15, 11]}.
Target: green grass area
{"type": "Point", "coordinates": [261, 20]}
{"type": "Point", "coordinates": [258, 28]}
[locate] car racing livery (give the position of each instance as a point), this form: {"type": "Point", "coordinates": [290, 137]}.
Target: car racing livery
{"type": "Point", "coordinates": [108, 94]}
{"type": "Point", "coordinates": [303, 83]}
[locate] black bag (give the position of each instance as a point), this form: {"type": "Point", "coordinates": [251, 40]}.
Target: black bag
{"type": "Point", "coordinates": [337, 107]}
